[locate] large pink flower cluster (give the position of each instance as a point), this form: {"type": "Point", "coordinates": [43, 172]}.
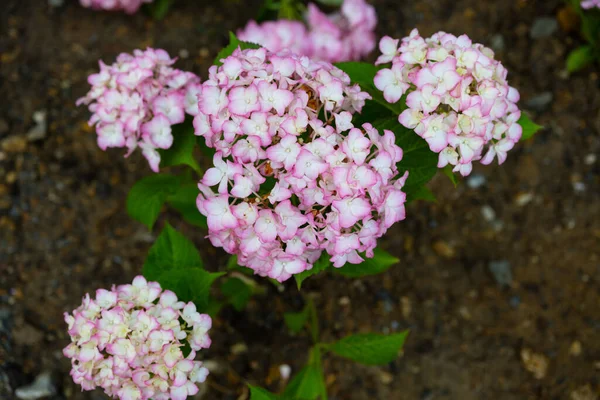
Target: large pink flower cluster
{"type": "Point", "coordinates": [135, 101]}
{"type": "Point", "coordinates": [129, 341]}
{"type": "Point", "coordinates": [129, 6]}
{"type": "Point", "coordinates": [293, 176]}
{"type": "Point", "coordinates": [341, 36]}
{"type": "Point", "coordinates": [587, 4]}
{"type": "Point", "coordinates": [457, 96]}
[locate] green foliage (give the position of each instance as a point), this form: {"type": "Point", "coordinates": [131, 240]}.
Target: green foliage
{"type": "Point", "coordinates": [369, 348]}
{"type": "Point", "coordinates": [529, 127]}
{"type": "Point", "coordinates": [423, 193]}
{"type": "Point", "coordinates": [309, 382]}
{"type": "Point", "coordinates": [234, 43]}
{"type": "Point", "coordinates": [183, 200]}
{"type": "Point", "coordinates": [182, 150]}
{"type": "Point", "coordinates": [174, 262]}
{"type": "Point", "coordinates": [147, 196]}
{"type": "Point", "coordinates": [381, 262]}
{"type": "Point", "coordinates": [331, 3]}
{"type": "Point", "coordinates": [363, 74]}
{"type": "Point", "coordinates": [417, 159]}
{"type": "Point", "coordinates": [296, 321]}
{"type": "Point", "coordinates": [322, 264]}
{"type": "Point", "coordinates": [159, 8]}
{"type": "Point", "coordinates": [580, 58]}
{"type": "Point", "coordinates": [447, 170]}
{"type": "Point", "coordinates": [237, 293]}
{"type": "Point", "coordinates": [258, 393]}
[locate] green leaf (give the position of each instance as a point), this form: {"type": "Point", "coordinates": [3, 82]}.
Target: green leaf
{"type": "Point", "coordinates": [529, 127]}
{"type": "Point", "coordinates": [236, 292]}
{"type": "Point", "coordinates": [417, 159]}
{"type": "Point", "coordinates": [580, 58]}
{"type": "Point", "coordinates": [258, 393]}
{"type": "Point", "coordinates": [381, 262]}
{"type": "Point", "coordinates": [182, 150]}
{"type": "Point", "coordinates": [184, 202]}
{"type": "Point", "coordinates": [234, 43]}
{"type": "Point", "coordinates": [364, 74]}
{"type": "Point", "coordinates": [322, 264]}
{"type": "Point", "coordinates": [174, 262]}
{"type": "Point", "coordinates": [331, 3]}
{"type": "Point", "coordinates": [296, 321]}
{"type": "Point", "coordinates": [147, 196]}
{"type": "Point", "coordinates": [447, 170]}
{"type": "Point", "coordinates": [369, 348]}
{"type": "Point", "coordinates": [309, 382]}
{"type": "Point", "coordinates": [422, 193]}
{"type": "Point", "coordinates": [159, 8]}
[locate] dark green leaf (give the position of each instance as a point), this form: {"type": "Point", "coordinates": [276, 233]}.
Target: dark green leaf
{"type": "Point", "coordinates": [309, 383]}
{"type": "Point", "coordinates": [190, 284]}
{"type": "Point", "coordinates": [447, 170]}
{"type": "Point", "coordinates": [236, 292]}
{"type": "Point", "coordinates": [182, 150]}
{"type": "Point", "coordinates": [184, 202]}
{"type": "Point", "coordinates": [364, 74]}
{"type": "Point", "coordinates": [331, 3]}
{"type": "Point", "coordinates": [580, 58]}
{"type": "Point", "coordinates": [296, 321]}
{"type": "Point", "coordinates": [369, 348]}
{"type": "Point", "coordinates": [159, 8]}
{"type": "Point", "coordinates": [234, 43]}
{"type": "Point", "coordinates": [417, 159]}
{"type": "Point", "coordinates": [258, 393]}
{"type": "Point", "coordinates": [381, 262]}
{"type": "Point", "coordinates": [422, 193]}
{"type": "Point", "coordinates": [322, 264]}
{"type": "Point", "coordinates": [529, 127]}
{"type": "Point", "coordinates": [147, 196]}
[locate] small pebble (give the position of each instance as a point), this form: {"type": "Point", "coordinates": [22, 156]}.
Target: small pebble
{"type": "Point", "coordinates": [488, 213]}
{"type": "Point", "coordinates": [41, 387]}
{"type": "Point", "coordinates": [344, 301]}
{"type": "Point", "coordinates": [285, 371]}
{"type": "Point", "coordinates": [476, 181]}
{"type": "Point", "coordinates": [501, 270]}
{"type": "Point", "coordinates": [443, 249]}
{"type": "Point", "coordinates": [239, 348]}
{"type": "Point", "coordinates": [523, 199]}
{"type": "Point", "coordinates": [575, 349]}
{"type": "Point", "coordinates": [540, 102]}
{"type": "Point", "coordinates": [590, 159]}
{"type": "Point", "coordinates": [385, 377]}
{"type": "Point", "coordinates": [584, 393]}
{"type": "Point", "coordinates": [543, 27]}
{"type": "Point", "coordinates": [536, 363]}
{"type": "Point", "coordinates": [514, 301]}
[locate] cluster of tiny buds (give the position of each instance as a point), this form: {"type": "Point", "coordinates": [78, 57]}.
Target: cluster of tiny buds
{"type": "Point", "coordinates": [135, 101]}
{"type": "Point", "coordinates": [292, 175]}
{"type": "Point", "coordinates": [128, 6]}
{"type": "Point", "coordinates": [342, 36]}
{"type": "Point", "coordinates": [130, 341]}
{"type": "Point", "coordinates": [457, 96]}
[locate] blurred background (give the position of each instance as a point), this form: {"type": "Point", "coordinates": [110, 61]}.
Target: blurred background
{"type": "Point", "coordinates": [499, 281]}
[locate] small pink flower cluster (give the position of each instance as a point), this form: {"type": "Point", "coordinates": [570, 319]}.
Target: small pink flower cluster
{"type": "Point", "coordinates": [587, 4]}
{"type": "Point", "coordinates": [135, 101]}
{"type": "Point", "coordinates": [129, 341]}
{"type": "Point", "coordinates": [458, 98]}
{"type": "Point", "coordinates": [289, 184]}
{"type": "Point", "coordinates": [129, 6]}
{"type": "Point", "coordinates": [343, 36]}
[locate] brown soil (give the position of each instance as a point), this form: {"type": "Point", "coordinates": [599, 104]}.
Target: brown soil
{"type": "Point", "coordinates": [64, 230]}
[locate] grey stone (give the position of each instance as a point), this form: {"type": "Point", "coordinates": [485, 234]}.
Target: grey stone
{"type": "Point", "coordinates": [540, 102]}
{"type": "Point", "coordinates": [501, 271]}
{"type": "Point", "coordinates": [42, 386]}
{"type": "Point", "coordinates": [543, 27]}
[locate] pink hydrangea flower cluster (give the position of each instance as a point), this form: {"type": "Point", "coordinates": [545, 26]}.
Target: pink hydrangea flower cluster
{"type": "Point", "coordinates": [129, 6]}
{"type": "Point", "coordinates": [341, 36]}
{"type": "Point", "coordinates": [287, 184]}
{"type": "Point", "coordinates": [457, 96]}
{"type": "Point", "coordinates": [135, 101]}
{"type": "Point", "coordinates": [129, 341]}
{"type": "Point", "coordinates": [587, 4]}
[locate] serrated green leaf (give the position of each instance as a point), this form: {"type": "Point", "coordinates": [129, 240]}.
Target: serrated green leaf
{"type": "Point", "coordinates": [422, 193]}
{"type": "Point", "coordinates": [234, 43]}
{"type": "Point", "coordinates": [236, 292]}
{"type": "Point", "coordinates": [174, 262]}
{"type": "Point", "coordinates": [296, 321]}
{"type": "Point", "coordinates": [172, 250]}
{"type": "Point", "coordinates": [182, 150]}
{"type": "Point", "coordinates": [322, 264]}
{"type": "Point", "coordinates": [369, 348]}
{"type": "Point", "coordinates": [417, 159]}
{"type": "Point", "coordinates": [580, 58]}
{"type": "Point", "coordinates": [184, 202]}
{"type": "Point", "coordinates": [529, 127]}
{"type": "Point", "coordinates": [364, 73]}
{"type": "Point", "coordinates": [381, 262]}
{"type": "Point", "coordinates": [147, 196]}
{"type": "Point", "coordinates": [258, 393]}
